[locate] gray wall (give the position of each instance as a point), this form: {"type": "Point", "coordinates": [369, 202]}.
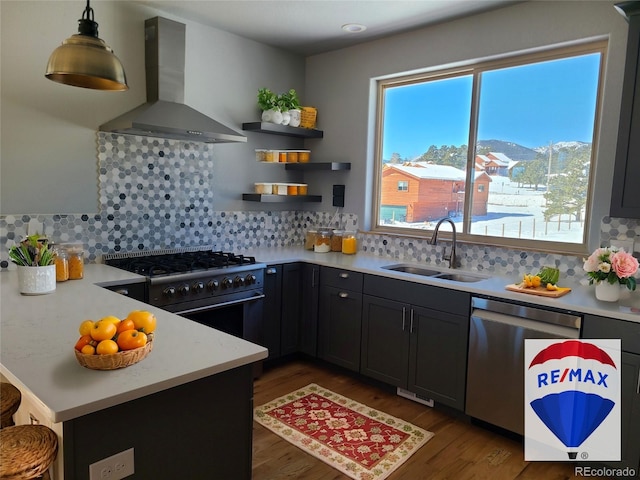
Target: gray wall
{"type": "Point", "coordinates": [48, 131]}
{"type": "Point", "coordinates": [339, 83]}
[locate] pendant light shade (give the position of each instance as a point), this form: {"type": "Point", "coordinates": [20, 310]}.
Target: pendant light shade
{"type": "Point", "coordinates": [84, 60]}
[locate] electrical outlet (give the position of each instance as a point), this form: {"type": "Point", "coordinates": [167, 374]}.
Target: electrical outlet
{"type": "Point", "coordinates": [114, 467]}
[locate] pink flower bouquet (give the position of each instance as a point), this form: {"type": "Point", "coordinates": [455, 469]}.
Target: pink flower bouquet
{"type": "Point", "coordinates": [613, 266]}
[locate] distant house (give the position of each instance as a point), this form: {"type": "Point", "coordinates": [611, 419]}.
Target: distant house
{"type": "Point", "coordinates": [421, 192]}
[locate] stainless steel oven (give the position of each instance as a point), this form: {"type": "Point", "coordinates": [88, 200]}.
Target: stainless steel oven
{"type": "Point", "coordinates": [218, 289]}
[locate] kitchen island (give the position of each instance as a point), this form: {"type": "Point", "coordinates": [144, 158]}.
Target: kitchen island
{"type": "Point", "coordinates": [186, 409]}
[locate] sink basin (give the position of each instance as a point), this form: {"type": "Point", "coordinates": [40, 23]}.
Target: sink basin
{"type": "Point", "coordinates": [459, 277]}
{"type": "Point", "coordinates": [425, 272]}
{"type": "Point", "coordinates": [413, 269]}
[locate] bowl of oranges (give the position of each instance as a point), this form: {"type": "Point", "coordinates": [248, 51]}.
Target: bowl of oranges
{"type": "Point", "coordinates": [111, 343]}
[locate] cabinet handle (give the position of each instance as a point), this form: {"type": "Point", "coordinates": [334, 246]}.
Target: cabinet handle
{"type": "Point", "coordinates": [344, 275]}
{"type": "Point", "coordinates": [404, 317]}
{"type": "Point", "coordinates": [343, 295]}
{"type": "Point", "coordinates": [313, 277]}
{"type": "Point", "coordinates": [270, 271]}
{"type": "Point", "coordinates": [411, 321]}
{"type": "Point", "coordinates": [638, 384]}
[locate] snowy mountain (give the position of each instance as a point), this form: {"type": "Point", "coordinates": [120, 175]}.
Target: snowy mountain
{"type": "Point", "coordinates": [560, 145]}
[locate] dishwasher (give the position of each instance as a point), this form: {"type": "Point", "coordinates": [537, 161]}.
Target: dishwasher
{"type": "Point", "coordinates": [495, 365]}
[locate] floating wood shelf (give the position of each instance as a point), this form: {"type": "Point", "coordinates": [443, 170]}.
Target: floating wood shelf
{"type": "Point", "coordinates": [274, 129]}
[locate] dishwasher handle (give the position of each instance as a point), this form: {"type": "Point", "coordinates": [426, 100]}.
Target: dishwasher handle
{"type": "Point", "coordinates": [525, 323]}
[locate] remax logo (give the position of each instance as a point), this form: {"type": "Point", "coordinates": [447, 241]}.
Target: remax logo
{"type": "Point", "coordinates": [572, 400]}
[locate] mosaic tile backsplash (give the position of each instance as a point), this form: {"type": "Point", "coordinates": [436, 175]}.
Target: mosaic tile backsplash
{"type": "Point", "coordinates": [167, 204]}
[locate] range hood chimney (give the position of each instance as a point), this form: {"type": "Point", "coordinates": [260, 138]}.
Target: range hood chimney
{"type": "Point", "coordinates": [165, 114]}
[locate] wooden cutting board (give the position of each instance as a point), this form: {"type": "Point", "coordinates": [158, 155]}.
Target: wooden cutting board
{"type": "Point", "coordinates": [541, 291]}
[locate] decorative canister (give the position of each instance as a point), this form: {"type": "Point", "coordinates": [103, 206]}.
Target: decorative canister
{"type": "Point", "coordinates": [310, 239]}
{"type": "Point", "coordinates": [37, 280]}
{"type": "Point", "coordinates": [62, 264]}
{"type": "Point", "coordinates": [349, 243]}
{"type": "Point", "coordinates": [323, 241]}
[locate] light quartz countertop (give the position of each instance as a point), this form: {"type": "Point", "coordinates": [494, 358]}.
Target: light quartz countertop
{"type": "Point", "coordinates": [581, 299]}
{"type": "Point", "coordinates": [38, 334]}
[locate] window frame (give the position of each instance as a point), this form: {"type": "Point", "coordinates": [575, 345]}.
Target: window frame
{"type": "Point", "coordinates": [476, 68]}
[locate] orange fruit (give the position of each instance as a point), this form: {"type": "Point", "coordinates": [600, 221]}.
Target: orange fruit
{"type": "Point", "coordinates": [88, 349]}
{"type": "Point", "coordinates": [85, 327]}
{"type": "Point", "coordinates": [103, 330]}
{"type": "Point", "coordinates": [82, 341]}
{"type": "Point", "coordinates": [112, 319]}
{"type": "Point", "coordinates": [143, 320]}
{"type": "Point", "coordinates": [125, 325]}
{"type": "Point", "coordinates": [107, 347]}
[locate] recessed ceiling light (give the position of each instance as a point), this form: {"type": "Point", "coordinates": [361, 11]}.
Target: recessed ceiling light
{"type": "Point", "coordinates": [353, 28]}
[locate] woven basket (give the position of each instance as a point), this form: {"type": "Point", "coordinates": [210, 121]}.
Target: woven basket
{"type": "Point", "coordinates": [115, 360]}
{"type": "Point", "coordinates": [308, 117]}
{"type": "Point", "coordinates": [27, 451]}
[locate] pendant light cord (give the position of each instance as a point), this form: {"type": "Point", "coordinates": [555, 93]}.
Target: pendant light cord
{"type": "Point", "coordinates": [86, 25]}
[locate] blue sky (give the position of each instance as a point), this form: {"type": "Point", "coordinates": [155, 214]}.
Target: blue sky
{"type": "Point", "coordinates": [531, 105]}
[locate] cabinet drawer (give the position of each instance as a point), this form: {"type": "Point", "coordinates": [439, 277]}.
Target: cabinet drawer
{"type": "Point", "coordinates": [343, 279]}
{"type": "Point", "coordinates": [602, 327]}
{"type": "Point", "coordinates": [436, 298]}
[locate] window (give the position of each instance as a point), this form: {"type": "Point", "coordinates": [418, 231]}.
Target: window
{"type": "Point", "coordinates": [531, 121]}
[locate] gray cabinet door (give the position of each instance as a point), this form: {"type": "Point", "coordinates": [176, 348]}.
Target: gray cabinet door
{"type": "Point", "coordinates": [340, 326]}
{"type": "Point", "coordinates": [625, 201]}
{"type": "Point", "coordinates": [291, 306]}
{"type": "Point", "coordinates": [385, 340]}
{"type": "Point", "coordinates": [629, 333]}
{"type": "Point", "coordinates": [438, 356]}
{"type": "Point", "coordinates": [630, 401]}
{"type": "Point", "coordinates": [272, 310]}
{"type": "Point", "coordinates": [309, 309]}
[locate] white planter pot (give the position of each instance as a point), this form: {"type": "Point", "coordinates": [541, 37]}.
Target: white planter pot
{"type": "Point", "coordinates": [607, 292]}
{"type": "Point", "coordinates": [295, 118]}
{"type": "Point", "coordinates": [272, 116]}
{"type": "Point", "coordinates": [37, 280]}
{"type": "Point", "coordinates": [286, 118]}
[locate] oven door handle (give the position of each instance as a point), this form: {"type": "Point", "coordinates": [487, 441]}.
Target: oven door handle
{"type": "Point", "coordinates": [223, 304]}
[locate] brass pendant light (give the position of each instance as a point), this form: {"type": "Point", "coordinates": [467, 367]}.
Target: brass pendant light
{"type": "Point", "coordinates": [83, 60]}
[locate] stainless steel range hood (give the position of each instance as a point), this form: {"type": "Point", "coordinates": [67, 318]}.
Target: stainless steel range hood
{"type": "Point", "coordinates": [165, 114]}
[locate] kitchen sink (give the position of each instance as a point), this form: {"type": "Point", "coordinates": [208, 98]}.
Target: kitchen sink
{"type": "Point", "coordinates": [425, 272]}
{"type": "Point", "coordinates": [459, 277]}
{"type": "Point", "coordinates": [412, 269]}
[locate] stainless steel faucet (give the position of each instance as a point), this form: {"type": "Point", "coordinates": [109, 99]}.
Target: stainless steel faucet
{"type": "Point", "coordinates": [434, 239]}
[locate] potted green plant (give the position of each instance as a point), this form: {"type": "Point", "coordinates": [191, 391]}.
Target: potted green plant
{"type": "Point", "coordinates": [268, 103]}
{"type": "Point", "coordinates": [289, 102]}
{"type": "Point", "coordinates": [36, 265]}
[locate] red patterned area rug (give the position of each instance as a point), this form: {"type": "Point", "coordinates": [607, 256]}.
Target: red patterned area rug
{"type": "Point", "coordinates": [361, 442]}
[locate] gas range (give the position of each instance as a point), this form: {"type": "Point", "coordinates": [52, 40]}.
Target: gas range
{"type": "Point", "coordinates": [186, 281]}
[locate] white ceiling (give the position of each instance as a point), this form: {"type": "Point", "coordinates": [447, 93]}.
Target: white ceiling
{"type": "Point", "coordinates": [309, 27]}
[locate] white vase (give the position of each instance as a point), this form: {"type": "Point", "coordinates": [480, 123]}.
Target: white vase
{"type": "Point", "coordinates": [272, 116]}
{"type": "Point", "coordinates": [608, 292]}
{"type": "Point", "coordinates": [37, 280]}
{"type": "Point", "coordinates": [295, 117]}
{"type": "Point", "coordinates": [286, 118]}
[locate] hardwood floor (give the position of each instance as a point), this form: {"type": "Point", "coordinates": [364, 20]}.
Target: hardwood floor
{"type": "Point", "coordinates": [459, 450]}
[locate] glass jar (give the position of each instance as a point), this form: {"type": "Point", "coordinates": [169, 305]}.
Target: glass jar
{"type": "Point", "coordinates": [349, 243]}
{"type": "Point", "coordinates": [323, 241]}
{"type": "Point", "coordinates": [76, 261]}
{"type": "Point", "coordinates": [62, 264]}
{"type": "Point", "coordinates": [310, 239]}
{"type": "Point", "coordinates": [336, 241]}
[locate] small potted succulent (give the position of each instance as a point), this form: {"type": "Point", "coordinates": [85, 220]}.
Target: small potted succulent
{"type": "Point", "coordinates": [36, 265]}
{"type": "Point", "coordinates": [268, 103]}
